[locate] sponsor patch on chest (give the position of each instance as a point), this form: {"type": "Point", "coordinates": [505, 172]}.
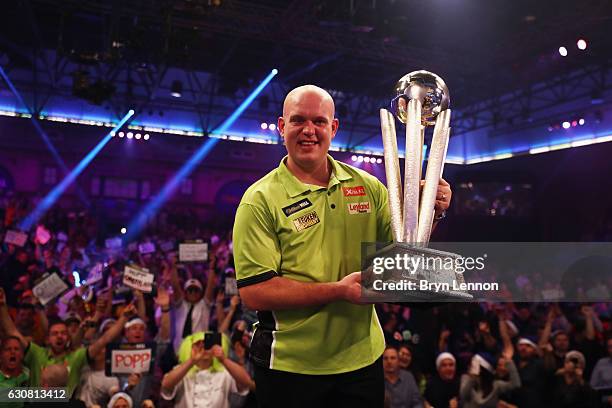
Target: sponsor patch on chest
{"type": "Point", "coordinates": [354, 191]}
{"type": "Point", "coordinates": [359, 208]}
{"type": "Point", "coordinates": [295, 207]}
{"type": "Point", "coordinates": [306, 221]}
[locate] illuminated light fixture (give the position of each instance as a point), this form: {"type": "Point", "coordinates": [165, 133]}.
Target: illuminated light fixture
{"type": "Point", "coordinates": [146, 136]}
{"type": "Point", "coordinates": [584, 142]}
{"type": "Point", "coordinates": [581, 44]}
{"type": "Point", "coordinates": [272, 127]}
{"type": "Point", "coordinates": [130, 135]}
{"type": "Point", "coordinates": [123, 230]}
{"type": "Point", "coordinates": [566, 125]}
{"type": "Point", "coordinates": [138, 136]}
{"type": "Point", "coordinates": [563, 51]}
{"type": "Point", "coordinates": [581, 121]}
{"type": "Point", "coordinates": [264, 126]}
{"type": "Point", "coordinates": [359, 159]}
{"type": "Point", "coordinates": [537, 150]}
{"type": "Point", "coordinates": [366, 159]}
{"type": "Point", "coordinates": [121, 134]}
{"type": "Point", "coordinates": [574, 123]}
{"type": "Point", "coordinates": [112, 134]}
{"type": "Point", "coordinates": [502, 156]}
{"type": "Point", "coordinates": [379, 161]}
{"type": "Point", "coordinates": [176, 89]}
{"type": "Point", "coordinates": [353, 158]}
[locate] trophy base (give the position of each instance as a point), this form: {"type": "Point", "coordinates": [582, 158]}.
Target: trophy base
{"type": "Point", "coordinates": [418, 274]}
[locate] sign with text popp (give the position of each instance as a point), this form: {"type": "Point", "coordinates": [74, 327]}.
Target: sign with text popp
{"type": "Point", "coordinates": [129, 358]}
{"type": "Point", "coordinates": [49, 288]}
{"type": "Point", "coordinates": [138, 278]}
{"type": "Point", "coordinates": [16, 238]}
{"type": "Point", "coordinates": [193, 251]}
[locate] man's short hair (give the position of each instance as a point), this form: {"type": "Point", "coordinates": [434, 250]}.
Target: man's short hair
{"type": "Point", "coordinates": [55, 322]}
{"type": "Point", "coordinates": [6, 339]}
{"type": "Point", "coordinates": [54, 375]}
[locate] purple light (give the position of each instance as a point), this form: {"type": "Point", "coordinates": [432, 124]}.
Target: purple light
{"type": "Point", "coordinates": [264, 126]}
{"type": "Point", "coordinates": [354, 158]}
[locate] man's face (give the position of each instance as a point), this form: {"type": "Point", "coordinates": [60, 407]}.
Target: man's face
{"type": "Point", "coordinates": [447, 369]}
{"type": "Point", "coordinates": [135, 333]}
{"type": "Point", "coordinates": [11, 355]}
{"type": "Point", "coordinates": [308, 126]}
{"type": "Point", "coordinates": [25, 317]}
{"type": "Point", "coordinates": [390, 361]}
{"type": "Point", "coordinates": [405, 357]}
{"type": "Point", "coordinates": [121, 403]}
{"type": "Point", "coordinates": [58, 337]}
{"type": "Point", "coordinates": [193, 294]}
{"type": "Point", "coordinates": [526, 351]}
{"type": "Point", "coordinates": [561, 342]}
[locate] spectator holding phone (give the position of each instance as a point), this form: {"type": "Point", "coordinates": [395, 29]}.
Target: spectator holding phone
{"type": "Point", "coordinates": [571, 390]}
{"type": "Point", "coordinates": [206, 378]}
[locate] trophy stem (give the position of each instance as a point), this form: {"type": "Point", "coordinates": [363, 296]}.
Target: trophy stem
{"type": "Point", "coordinates": [412, 170]}
{"type": "Point", "coordinates": [435, 166]}
{"type": "Point", "coordinates": [392, 171]}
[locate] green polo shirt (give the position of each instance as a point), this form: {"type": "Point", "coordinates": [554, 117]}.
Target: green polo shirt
{"type": "Point", "coordinates": [37, 357]}
{"type": "Point", "coordinates": [13, 382]}
{"type": "Point", "coordinates": [309, 233]}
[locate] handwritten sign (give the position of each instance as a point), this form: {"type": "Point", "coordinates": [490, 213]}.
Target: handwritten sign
{"type": "Point", "coordinates": [138, 278]}
{"type": "Point", "coordinates": [231, 288]}
{"type": "Point", "coordinates": [193, 251]}
{"type": "Point", "coordinates": [49, 288]}
{"type": "Point", "coordinates": [129, 358]}
{"type": "Point", "coordinates": [146, 248]}
{"type": "Point", "coordinates": [16, 238]}
{"type": "Point", "coordinates": [113, 243]}
{"type": "Point", "coordinates": [95, 274]}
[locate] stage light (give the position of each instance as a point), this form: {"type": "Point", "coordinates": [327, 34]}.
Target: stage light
{"type": "Point", "coordinates": [581, 121]}
{"type": "Point", "coordinates": [379, 161]}
{"type": "Point", "coordinates": [366, 159]}
{"type": "Point", "coordinates": [130, 135]}
{"type": "Point", "coordinates": [563, 51]}
{"type": "Point", "coordinates": [550, 128]}
{"type": "Point", "coordinates": [121, 134]}
{"type": "Point", "coordinates": [359, 159]}
{"type": "Point", "coordinates": [58, 190]}
{"type": "Point", "coordinates": [264, 126]}
{"type": "Point", "coordinates": [574, 123]}
{"type": "Point", "coordinates": [354, 158]}
{"type": "Point", "coordinates": [176, 89]}
{"type": "Point", "coordinates": [581, 44]}
{"type": "Point", "coordinates": [146, 136]}
{"type": "Point", "coordinates": [272, 127]}
{"type": "Point", "coordinates": [112, 134]}
{"type": "Point", "coordinates": [123, 230]}
{"type": "Point", "coordinates": [138, 136]}
{"type": "Point", "coordinates": [152, 207]}
{"type": "Point", "coordinates": [566, 125]}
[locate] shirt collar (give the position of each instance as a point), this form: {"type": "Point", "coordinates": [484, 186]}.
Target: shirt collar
{"type": "Point", "coordinates": [295, 187]}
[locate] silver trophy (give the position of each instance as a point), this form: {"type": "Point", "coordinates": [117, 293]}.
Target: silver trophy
{"type": "Point", "coordinates": [421, 100]}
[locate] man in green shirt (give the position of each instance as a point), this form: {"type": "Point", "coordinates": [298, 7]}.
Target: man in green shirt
{"type": "Point", "coordinates": [297, 244]}
{"type": "Point", "coordinates": [12, 372]}
{"type": "Point", "coordinates": [58, 351]}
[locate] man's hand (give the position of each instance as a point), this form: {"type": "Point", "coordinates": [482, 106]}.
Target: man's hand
{"type": "Point", "coordinates": [129, 311]}
{"type": "Point", "coordinates": [351, 285]}
{"type": "Point", "coordinates": [234, 301]}
{"type": "Point", "coordinates": [133, 380]}
{"type": "Point", "coordinates": [443, 196]}
{"type": "Point", "coordinates": [163, 298]}
{"type": "Point", "coordinates": [217, 352]}
{"type": "Point", "coordinates": [197, 351]}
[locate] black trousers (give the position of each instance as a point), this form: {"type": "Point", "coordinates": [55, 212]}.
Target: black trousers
{"type": "Point", "coordinates": [361, 388]}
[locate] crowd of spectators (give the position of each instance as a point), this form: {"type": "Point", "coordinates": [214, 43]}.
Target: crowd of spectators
{"type": "Point", "coordinates": [445, 355]}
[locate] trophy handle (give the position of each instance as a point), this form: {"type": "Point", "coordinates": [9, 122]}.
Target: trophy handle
{"type": "Point", "coordinates": [435, 167]}
{"type": "Point", "coordinates": [392, 171]}
{"type": "Point", "coordinates": [412, 170]}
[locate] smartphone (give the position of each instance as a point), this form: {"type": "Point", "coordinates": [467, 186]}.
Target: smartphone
{"type": "Point", "coordinates": [210, 339]}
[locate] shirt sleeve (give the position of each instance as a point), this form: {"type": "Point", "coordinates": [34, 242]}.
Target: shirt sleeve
{"type": "Point", "coordinates": [34, 353]}
{"type": "Point", "coordinates": [256, 247]}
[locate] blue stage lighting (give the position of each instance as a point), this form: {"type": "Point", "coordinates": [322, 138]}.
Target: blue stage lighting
{"type": "Point", "coordinates": [139, 221]}
{"type": "Point", "coordinates": [58, 190]}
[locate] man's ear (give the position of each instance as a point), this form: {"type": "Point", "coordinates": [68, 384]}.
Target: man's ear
{"type": "Point", "coordinates": [281, 126]}
{"type": "Point", "coordinates": [335, 124]}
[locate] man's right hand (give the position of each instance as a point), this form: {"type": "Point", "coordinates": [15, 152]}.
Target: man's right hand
{"type": "Point", "coordinates": [351, 288]}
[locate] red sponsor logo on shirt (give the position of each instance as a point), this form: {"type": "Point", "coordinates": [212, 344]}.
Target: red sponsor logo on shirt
{"type": "Point", "coordinates": [354, 191]}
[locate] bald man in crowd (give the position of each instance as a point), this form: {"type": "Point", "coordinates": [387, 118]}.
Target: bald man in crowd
{"type": "Point", "coordinates": [297, 246]}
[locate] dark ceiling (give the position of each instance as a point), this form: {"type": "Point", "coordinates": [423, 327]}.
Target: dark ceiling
{"type": "Point", "coordinates": [481, 47]}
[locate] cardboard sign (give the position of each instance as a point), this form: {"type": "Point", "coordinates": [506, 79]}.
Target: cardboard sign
{"type": "Point", "coordinates": [113, 243]}
{"type": "Point", "coordinates": [231, 288]}
{"type": "Point", "coordinates": [138, 278]}
{"type": "Point", "coordinates": [95, 274]}
{"type": "Point", "coordinates": [16, 238]}
{"type": "Point", "coordinates": [42, 235]}
{"type": "Point", "coordinates": [129, 358]}
{"type": "Point", "coordinates": [193, 252]}
{"type": "Point", "coordinates": [49, 288]}
{"type": "Point", "coordinates": [146, 248]}
{"type": "Point", "coordinates": [167, 246]}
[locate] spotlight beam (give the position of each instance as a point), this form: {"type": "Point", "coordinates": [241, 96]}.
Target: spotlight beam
{"type": "Point", "coordinates": [43, 135]}
{"type": "Point", "coordinates": [58, 190]}
{"type": "Point", "coordinates": [139, 221]}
